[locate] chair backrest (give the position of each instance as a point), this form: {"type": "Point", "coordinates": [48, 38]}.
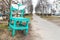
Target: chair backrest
{"type": "Point", "coordinates": [14, 9]}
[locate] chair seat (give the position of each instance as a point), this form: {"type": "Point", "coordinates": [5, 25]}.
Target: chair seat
{"type": "Point", "coordinates": [21, 27]}
{"type": "Point", "coordinates": [20, 19]}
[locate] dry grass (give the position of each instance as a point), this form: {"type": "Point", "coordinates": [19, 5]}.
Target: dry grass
{"type": "Point", "coordinates": [0, 0]}
{"type": "Point", "coordinates": [3, 26]}
{"type": "Point", "coordinates": [28, 16]}
{"type": "Point", "coordinates": [53, 19]}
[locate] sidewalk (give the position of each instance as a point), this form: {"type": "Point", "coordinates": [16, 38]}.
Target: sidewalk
{"type": "Point", "coordinates": [46, 30]}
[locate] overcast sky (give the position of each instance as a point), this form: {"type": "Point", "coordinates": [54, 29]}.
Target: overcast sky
{"type": "Point", "coordinates": [51, 1]}
{"type": "Point", "coordinates": [34, 2]}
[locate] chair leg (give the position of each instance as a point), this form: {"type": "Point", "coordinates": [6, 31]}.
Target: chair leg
{"type": "Point", "coordinates": [13, 32]}
{"type": "Point", "coordinates": [26, 32]}
{"type": "Point", "coordinates": [9, 28]}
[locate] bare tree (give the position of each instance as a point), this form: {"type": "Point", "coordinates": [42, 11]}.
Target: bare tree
{"type": "Point", "coordinates": [29, 6]}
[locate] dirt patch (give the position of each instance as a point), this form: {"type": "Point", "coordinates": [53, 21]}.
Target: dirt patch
{"type": "Point", "coordinates": [6, 35]}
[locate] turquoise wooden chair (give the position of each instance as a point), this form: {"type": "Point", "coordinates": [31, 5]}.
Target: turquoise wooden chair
{"type": "Point", "coordinates": [14, 26]}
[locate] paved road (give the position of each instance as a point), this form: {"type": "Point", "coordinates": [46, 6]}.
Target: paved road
{"type": "Point", "coordinates": [44, 29]}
